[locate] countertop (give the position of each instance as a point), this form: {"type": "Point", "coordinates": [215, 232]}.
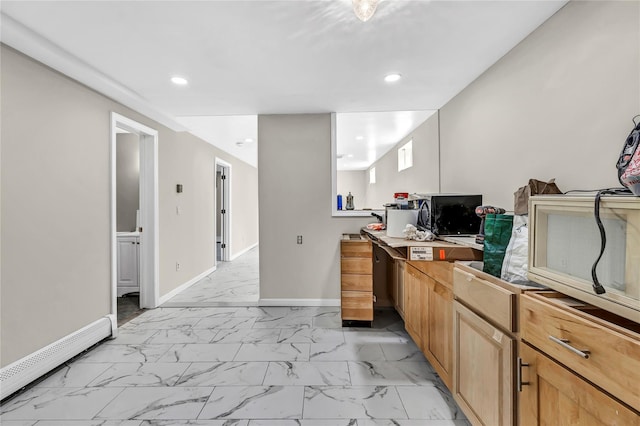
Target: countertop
{"type": "Point", "coordinates": [438, 242]}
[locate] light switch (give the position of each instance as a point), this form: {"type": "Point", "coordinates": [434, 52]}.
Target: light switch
{"type": "Point", "coordinates": [178, 210]}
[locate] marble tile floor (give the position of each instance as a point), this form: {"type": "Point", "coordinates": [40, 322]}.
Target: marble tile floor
{"type": "Point", "coordinates": [233, 283]}
{"type": "Point", "coordinates": [243, 366]}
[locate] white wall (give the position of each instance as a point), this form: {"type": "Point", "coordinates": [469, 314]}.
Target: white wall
{"type": "Point", "coordinates": [353, 181]}
{"type": "Point", "coordinates": [294, 166]}
{"type": "Point", "coordinates": [55, 230]}
{"type": "Point", "coordinates": [558, 105]}
{"type": "Point", "coordinates": [421, 178]}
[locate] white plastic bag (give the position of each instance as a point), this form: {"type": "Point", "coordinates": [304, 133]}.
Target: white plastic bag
{"type": "Point", "coordinates": [514, 266]}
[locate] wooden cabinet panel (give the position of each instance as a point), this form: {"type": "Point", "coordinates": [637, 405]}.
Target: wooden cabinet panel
{"type": "Point", "coordinates": [483, 369]}
{"type": "Point", "coordinates": [414, 304]}
{"type": "Point", "coordinates": [439, 271]}
{"type": "Point", "coordinates": [356, 282]}
{"type": "Point", "coordinates": [439, 339]}
{"type": "Point", "coordinates": [356, 265]}
{"type": "Point", "coordinates": [611, 359]}
{"type": "Point", "coordinates": [552, 395]}
{"type": "Point", "coordinates": [357, 305]}
{"type": "Point", "coordinates": [398, 286]}
{"type": "Point", "coordinates": [494, 302]}
{"type": "Point", "coordinates": [355, 249]}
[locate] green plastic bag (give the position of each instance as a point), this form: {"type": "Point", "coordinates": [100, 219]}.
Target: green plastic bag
{"type": "Point", "coordinates": [497, 233]}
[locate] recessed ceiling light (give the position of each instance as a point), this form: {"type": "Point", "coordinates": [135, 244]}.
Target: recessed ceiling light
{"type": "Point", "coordinates": [359, 138]}
{"type": "Point", "coordinates": [248, 140]}
{"type": "Point", "coordinates": [350, 156]}
{"type": "Point", "coordinates": [392, 78]}
{"type": "Point", "coordinates": [180, 81]}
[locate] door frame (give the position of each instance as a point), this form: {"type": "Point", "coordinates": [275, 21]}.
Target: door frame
{"type": "Point", "coordinates": [149, 217]}
{"type": "Point", "coordinates": [226, 218]}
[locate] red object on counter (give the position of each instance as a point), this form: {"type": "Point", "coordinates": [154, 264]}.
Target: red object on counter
{"type": "Point", "coordinates": [401, 194]}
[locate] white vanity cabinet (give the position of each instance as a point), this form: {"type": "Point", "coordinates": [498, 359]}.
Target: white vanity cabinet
{"type": "Point", "coordinates": [128, 261]}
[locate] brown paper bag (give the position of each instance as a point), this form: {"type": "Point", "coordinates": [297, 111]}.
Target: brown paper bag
{"type": "Point", "coordinates": [534, 187]}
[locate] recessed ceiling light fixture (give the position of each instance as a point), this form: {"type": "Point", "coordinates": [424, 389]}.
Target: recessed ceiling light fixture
{"type": "Point", "coordinates": [364, 9]}
{"type": "Point", "coordinates": [180, 81]}
{"type": "Point", "coordinates": [359, 138]}
{"type": "Point", "coordinates": [392, 78]}
{"type": "Point", "coordinates": [248, 140]}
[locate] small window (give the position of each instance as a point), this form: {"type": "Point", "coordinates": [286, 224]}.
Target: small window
{"type": "Point", "coordinates": [372, 175]}
{"type": "Point", "coordinates": [405, 156]}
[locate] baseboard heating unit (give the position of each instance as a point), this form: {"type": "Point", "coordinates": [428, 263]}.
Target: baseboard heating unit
{"type": "Point", "coordinates": [15, 376]}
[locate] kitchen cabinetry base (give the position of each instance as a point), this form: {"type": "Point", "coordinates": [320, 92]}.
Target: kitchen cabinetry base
{"type": "Point", "coordinates": [356, 323]}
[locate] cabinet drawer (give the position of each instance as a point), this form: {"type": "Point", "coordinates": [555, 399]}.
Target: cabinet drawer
{"type": "Point", "coordinates": [357, 282]}
{"type": "Point", "coordinates": [602, 355]}
{"type": "Point", "coordinates": [356, 265]}
{"type": "Point", "coordinates": [439, 271]}
{"type": "Point", "coordinates": [355, 249]}
{"type": "Point", "coordinates": [357, 305]}
{"type": "Point", "coordinates": [491, 301]}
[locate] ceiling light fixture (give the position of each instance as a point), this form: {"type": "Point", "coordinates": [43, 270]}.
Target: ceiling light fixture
{"type": "Point", "coordinates": [248, 140]}
{"type": "Point", "coordinates": [392, 78]}
{"type": "Point", "coordinates": [364, 9]}
{"type": "Point", "coordinates": [359, 138]}
{"type": "Point", "coordinates": [180, 81]}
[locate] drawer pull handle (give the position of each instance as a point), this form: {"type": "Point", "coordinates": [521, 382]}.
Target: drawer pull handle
{"type": "Point", "coordinates": [565, 344]}
{"type": "Point", "coordinates": [519, 378]}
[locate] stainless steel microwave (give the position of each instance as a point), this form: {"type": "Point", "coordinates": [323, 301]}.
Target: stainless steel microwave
{"type": "Point", "coordinates": [449, 214]}
{"type": "Point", "coordinates": [564, 243]}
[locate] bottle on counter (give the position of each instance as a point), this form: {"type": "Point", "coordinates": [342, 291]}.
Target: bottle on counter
{"type": "Point", "coordinates": [339, 202]}
{"type": "Point", "coordinates": [349, 201]}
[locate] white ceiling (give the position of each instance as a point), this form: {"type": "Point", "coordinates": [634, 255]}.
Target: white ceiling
{"type": "Point", "coordinates": [273, 57]}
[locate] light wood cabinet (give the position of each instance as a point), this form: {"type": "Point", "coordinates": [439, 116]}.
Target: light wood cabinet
{"type": "Point", "coordinates": [398, 286]}
{"type": "Point", "coordinates": [428, 312]}
{"type": "Point", "coordinates": [580, 365]}
{"type": "Point", "coordinates": [553, 395]}
{"type": "Point", "coordinates": [439, 343]}
{"type": "Point", "coordinates": [415, 304]}
{"type": "Point", "coordinates": [483, 369]}
{"type": "Point", "coordinates": [356, 270]}
{"type": "Point", "coordinates": [485, 334]}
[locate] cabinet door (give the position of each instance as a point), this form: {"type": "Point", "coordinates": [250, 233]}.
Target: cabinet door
{"type": "Point", "coordinates": [415, 302]}
{"type": "Point", "coordinates": [398, 287]}
{"type": "Point", "coordinates": [552, 395]}
{"type": "Point", "coordinates": [438, 340]}
{"type": "Point", "coordinates": [127, 265]}
{"type": "Point", "coordinates": [483, 369]}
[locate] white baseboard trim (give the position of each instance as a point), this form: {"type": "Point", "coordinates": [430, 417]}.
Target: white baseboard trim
{"type": "Point", "coordinates": [20, 373]}
{"type": "Point", "coordinates": [240, 253]}
{"type": "Point", "coordinates": [299, 302]}
{"type": "Point", "coordinates": [186, 285]}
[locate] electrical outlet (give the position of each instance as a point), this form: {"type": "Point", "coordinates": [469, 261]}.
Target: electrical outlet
{"type": "Point", "coordinates": [299, 239]}
{"type": "Point", "coordinates": [177, 266]}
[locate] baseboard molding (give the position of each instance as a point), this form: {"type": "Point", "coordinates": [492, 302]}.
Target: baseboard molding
{"type": "Point", "coordinates": [19, 374]}
{"type": "Point", "coordinates": [240, 253]}
{"type": "Point", "coordinates": [185, 286]}
{"type": "Point", "coordinates": [299, 302]}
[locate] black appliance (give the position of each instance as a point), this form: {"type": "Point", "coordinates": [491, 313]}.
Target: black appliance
{"type": "Point", "coordinates": [449, 214]}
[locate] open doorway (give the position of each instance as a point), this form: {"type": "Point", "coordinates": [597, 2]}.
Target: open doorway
{"type": "Point", "coordinates": [223, 210]}
{"type": "Point", "coordinates": [134, 235]}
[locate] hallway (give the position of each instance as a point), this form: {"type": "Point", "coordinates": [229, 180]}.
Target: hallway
{"type": "Point", "coordinates": [234, 283]}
